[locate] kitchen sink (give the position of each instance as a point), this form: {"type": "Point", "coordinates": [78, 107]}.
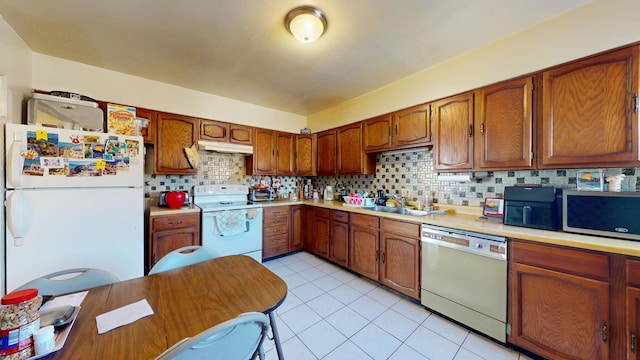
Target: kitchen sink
{"type": "Point", "coordinates": [397, 210]}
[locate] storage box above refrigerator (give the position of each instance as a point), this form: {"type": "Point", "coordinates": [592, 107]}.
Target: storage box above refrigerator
{"type": "Point", "coordinates": [66, 113]}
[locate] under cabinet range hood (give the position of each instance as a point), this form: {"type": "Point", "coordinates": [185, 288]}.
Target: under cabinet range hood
{"type": "Point", "coordinates": [222, 147]}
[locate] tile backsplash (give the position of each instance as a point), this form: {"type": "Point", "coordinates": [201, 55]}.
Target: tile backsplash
{"type": "Point", "coordinates": [412, 171]}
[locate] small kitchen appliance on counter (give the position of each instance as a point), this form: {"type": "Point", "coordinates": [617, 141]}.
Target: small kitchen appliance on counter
{"type": "Point", "coordinates": [266, 194]}
{"type": "Point", "coordinates": [162, 200]}
{"type": "Point", "coordinates": [538, 207]}
{"type": "Point", "coordinates": [611, 214]}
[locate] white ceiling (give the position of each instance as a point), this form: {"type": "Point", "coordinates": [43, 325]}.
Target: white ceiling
{"type": "Point", "coordinates": [239, 49]}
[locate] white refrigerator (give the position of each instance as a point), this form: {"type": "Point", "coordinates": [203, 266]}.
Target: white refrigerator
{"type": "Point", "coordinates": [73, 199]}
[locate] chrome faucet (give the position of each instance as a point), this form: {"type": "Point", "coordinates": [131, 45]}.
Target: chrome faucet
{"type": "Point", "coordinates": [403, 201]}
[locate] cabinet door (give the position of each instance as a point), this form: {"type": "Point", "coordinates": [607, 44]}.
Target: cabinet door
{"type": "Point", "coordinates": [168, 233]}
{"type": "Point", "coordinates": [327, 153]}
{"type": "Point", "coordinates": [589, 112]}
{"type": "Point", "coordinates": [412, 127]}
{"type": "Point", "coordinates": [295, 228]}
{"type": "Point", "coordinates": [240, 134]}
{"type": "Point", "coordinates": [321, 237]}
{"type": "Point", "coordinates": [453, 120]}
{"type": "Point", "coordinates": [308, 242]}
{"type": "Point", "coordinates": [285, 148]}
{"type": "Point", "coordinates": [633, 321]}
{"type": "Point", "coordinates": [214, 131]}
{"type": "Point", "coordinates": [339, 243]}
{"type": "Point", "coordinates": [351, 157]}
{"type": "Point", "coordinates": [504, 134]}
{"type": "Point", "coordinates": [306, 153]}
{"type": "Point", "coordinates": [400, 263]}
{"type": "Point", "coordinates": [377, 133]}
{"type": "Point", "coordinates": [148, 133]}
{"type": "Point", "coordinates": [174, 133]}
{"type": "Point", "coordinates": [364, 251]}
{"type": "Point", "coordinates": [263, 153]}
{"type": "Point", "coordinates": [559, 315]}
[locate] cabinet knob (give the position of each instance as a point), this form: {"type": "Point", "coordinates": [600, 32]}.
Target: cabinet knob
{"type": "Point", "coordinates": [604, 332]}
{"type": "Point", "coordinates": [633, 341]}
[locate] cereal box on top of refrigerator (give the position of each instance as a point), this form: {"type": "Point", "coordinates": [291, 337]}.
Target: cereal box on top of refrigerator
{"type": "Point", "coordinates": [121, 119]}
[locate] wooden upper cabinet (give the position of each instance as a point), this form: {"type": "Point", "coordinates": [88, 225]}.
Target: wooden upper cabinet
{"type": "Point", "coordinates": [504, 135]}
{"type": "Point", "coordinates": [214, 130]}
{"type": "Point", "coordinates": [327, 153]}
{"type": "Point", "coordinates": [262, 162]}
{"type": "Point", "coordinates": [453, 119]}
{"type": "Point", "coordinates": [412, 127]}
{"type": "Point", "coordinates": [285, 150]}
{"type": "Point", "coordinates": [377, 133]}
{"type": "Point", "coordinates": [240, 134]}
{"type": "Point", "coordinates": [351, 157]}
{"type": "Point", "coordinates": [590, 112]}
{"type": "Point", "coordinates": [148, 133]}
{"type": "Point", "coordinates": [174, 133]}
{"type": "Point", "coordinates": [306, 153]}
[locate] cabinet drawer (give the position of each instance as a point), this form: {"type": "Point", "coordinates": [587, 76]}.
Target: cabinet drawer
{"type": "Point", "coordinates": [365, 220]}
{"type": "Point", "coordinates": [322, 212]}
{"type": "Point", "coordinates": [175, 221]}
{"type": "Point", "coordinates": [276, 220]}
{"type": "Point", "coordinates": [275, 230]}
{"type": "Point", "coordinates": [274, 251]}
{"type": "Point", "coordinates": [401, 228]}
{"type": "Point", "coordinates": [275, 212]}
{"type": "Point", "coordinates": [342, 216]}
{"type": "Point", "coordinates": [633, 272]}
{"type": "Point", "coordinates": [568, 260]}
{"type": "Point", "coordinates": [270, 241]}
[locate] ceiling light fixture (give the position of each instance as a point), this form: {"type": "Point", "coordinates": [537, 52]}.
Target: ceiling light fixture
{"type": "Point", "coordinates": [306, 23]}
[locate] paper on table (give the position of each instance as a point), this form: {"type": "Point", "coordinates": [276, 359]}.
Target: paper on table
{"type": "Point", "coordinates": [74, 299]}
{"type": "Point", "coordinates": [123, 316]}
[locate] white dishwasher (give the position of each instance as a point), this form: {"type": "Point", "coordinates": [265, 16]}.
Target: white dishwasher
{"type": "Point", "coordinates": [464, 277]}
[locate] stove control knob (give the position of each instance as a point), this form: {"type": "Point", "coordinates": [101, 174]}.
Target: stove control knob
{"type": "Point", "coordinates": [478, 246]}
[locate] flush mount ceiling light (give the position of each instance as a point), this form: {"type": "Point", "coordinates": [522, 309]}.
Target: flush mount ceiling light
{"type": "Point", "coordinates": [306, 23]}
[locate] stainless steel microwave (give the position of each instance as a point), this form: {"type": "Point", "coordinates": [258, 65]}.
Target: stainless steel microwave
{"type": "Point", "coordinates": [610, 214]}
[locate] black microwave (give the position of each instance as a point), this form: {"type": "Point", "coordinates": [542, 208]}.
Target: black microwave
{"type": "Point", "coordinates": [611, 214]}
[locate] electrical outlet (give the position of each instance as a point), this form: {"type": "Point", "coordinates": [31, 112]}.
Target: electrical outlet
{"type": "Point", "coordinates": [404, 193]}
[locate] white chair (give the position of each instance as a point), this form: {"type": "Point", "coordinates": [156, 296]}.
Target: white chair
{"type": "Point", "coordinates": [63, 282]}
{"type": "Point", "coordinates": [236, 339]}
{"type": "Point", "coordinates": [184, 256]}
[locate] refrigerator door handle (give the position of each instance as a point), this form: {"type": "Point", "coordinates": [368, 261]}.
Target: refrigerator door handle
{"type": "Point", "coordinates": [15, 223]}
{"type": "Point", "coordinates": [15, 163]}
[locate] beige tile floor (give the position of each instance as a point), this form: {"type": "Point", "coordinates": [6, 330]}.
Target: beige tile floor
{"type": "Point", "coordinates": [332, 314]}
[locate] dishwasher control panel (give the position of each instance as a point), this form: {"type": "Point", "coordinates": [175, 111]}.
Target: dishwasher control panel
{"type": "Point", "coordinates": [477, 243]}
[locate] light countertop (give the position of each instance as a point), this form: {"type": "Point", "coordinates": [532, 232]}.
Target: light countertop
{"type": "Point", "coordinates": [469, 218]}
{"type": "Point", "coordinates": [155, 210]}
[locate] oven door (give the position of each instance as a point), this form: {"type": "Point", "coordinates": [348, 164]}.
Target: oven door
{"type": "Point", "coordinates": [467, 287]}
{"type": "Point", "coordinates": [234, 231]}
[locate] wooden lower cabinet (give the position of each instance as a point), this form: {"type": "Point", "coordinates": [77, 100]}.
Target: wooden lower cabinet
{"type": "Point", "coordinates": [560, 301]}
{"type": "Point", "coordinates": [400, 256]}
{"type": "Point", "coordinates": [171, 232]}
{"type": "Point", "coordinates": [633, 321]}
{"type": "Point", "coordinates": [364, 248]}
{"type": "Point", "coordinates": [296, 231]}
{"type": "Point", "coordinates": [339, 238]}
{"type": "Point", "coordinates": [275, 231]}
{"type": "Point", "coordinates": [321, 233]}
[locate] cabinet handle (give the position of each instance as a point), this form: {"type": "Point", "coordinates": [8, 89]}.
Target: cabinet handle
{"type": "Point", "coordinates": [482, 128]}
{"type": "Point", "coordinates": [633, 341]}
{"type": "Point", "coordinates": [377, 255]}
{"type": "Point", "coordinates": [175, 222]}
{"type": "Point", "coordinates": [470, 130]}
{"type": "Point", "coordinates": [604, 332]}
{"type": "Point", "coordinates": [383, 258]}
{"type": "Point", "coordinates": [635, 103]}
{"type": "Point", "coordinates": [397, 129]}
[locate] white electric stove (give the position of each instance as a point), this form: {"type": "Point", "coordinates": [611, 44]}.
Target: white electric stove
{"type": "Point", "coordinates": [230, 223]}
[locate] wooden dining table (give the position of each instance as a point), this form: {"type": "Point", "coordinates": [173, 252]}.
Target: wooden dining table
{"type": "Point", "coordinates": [185, 302]}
